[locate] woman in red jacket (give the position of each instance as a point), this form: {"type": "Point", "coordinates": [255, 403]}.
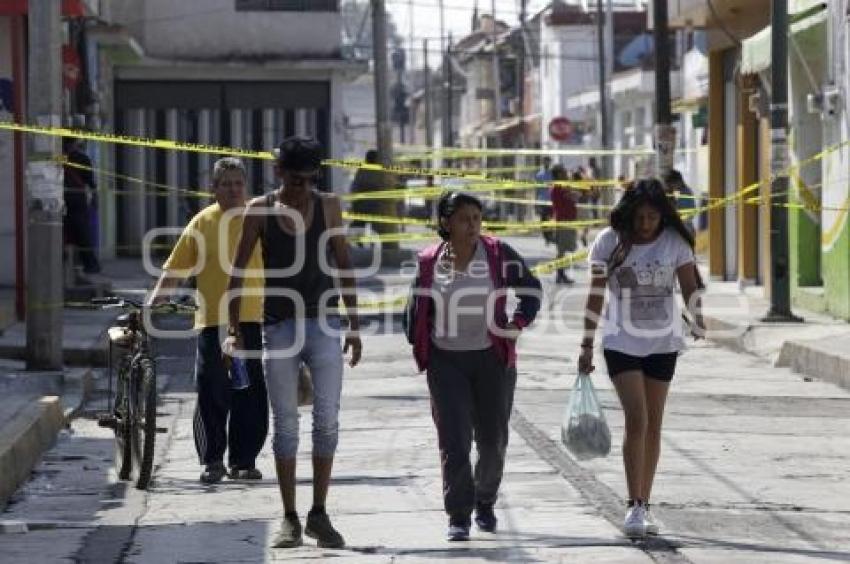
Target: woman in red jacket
{"type": "Point", "coordinates": [458, 325]}
{"type": "Point", "coordinates": [563, 209]}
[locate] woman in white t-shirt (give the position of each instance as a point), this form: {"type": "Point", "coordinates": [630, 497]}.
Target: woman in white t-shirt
{"type": "Point", "coordinates": [639, 258]}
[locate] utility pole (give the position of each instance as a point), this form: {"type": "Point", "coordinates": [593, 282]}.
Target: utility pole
{"type": "Point", "coordinates": [607, 170]}
{"type": "Point", "coordinates": [521, 98]}
{"type": "Point", "coordinates": [604, 129]}
{"type": "Point", "coordinates": [447, 80]}
{"type": "Point", "coordinates": [379, 53]}
{"type": "Point", "coordinates": [665, 134]}
{"type": "Point", "coordinates": [521, 67]}
{"type": "Point", "coordinates": [448, 134]}
{"type": "Point", "coordinates": [497, 99]}
{"type": "Point", "coordinates": [429, 125]}
{"type": "Point", "coordinates": [497, 86]}
{"type": "Point", "coordinates": [780, 290]}
{"type": "Point", "coordinates": [44, 180]}
{"type": "Point", "coordinates": [383, 125]}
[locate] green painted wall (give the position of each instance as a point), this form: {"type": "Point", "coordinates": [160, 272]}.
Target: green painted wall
{"type": "Point", "coordinates": [836, 276]}
{"type": "Point", "coordinates": [805, 238]}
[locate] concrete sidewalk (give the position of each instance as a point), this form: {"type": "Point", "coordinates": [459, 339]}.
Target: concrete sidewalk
{"type": "Point", "coordinates": [819, 347]}
{"type": "Point", "coordinates": [35, 406]}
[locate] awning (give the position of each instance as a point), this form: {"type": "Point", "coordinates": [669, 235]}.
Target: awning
{"type": "Point", "coordinates": [756, 51]}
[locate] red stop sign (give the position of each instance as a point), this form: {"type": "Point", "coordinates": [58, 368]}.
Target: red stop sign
{"type": "Point", "coordinates": [560, 129]}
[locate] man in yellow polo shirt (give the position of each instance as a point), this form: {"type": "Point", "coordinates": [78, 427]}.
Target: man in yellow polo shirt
{"type": "Point", "coordinates": [202, 251]}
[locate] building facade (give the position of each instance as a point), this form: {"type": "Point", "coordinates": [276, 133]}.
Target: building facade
{"type": "Point", "coordinates": [13, 96]}
{"type": "Point", "coordinates": [278, 71]}
{"type": "Point", "coordinates": [739, 140]}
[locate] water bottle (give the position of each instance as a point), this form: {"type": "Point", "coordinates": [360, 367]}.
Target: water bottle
{"type": "Point", "coordinates": [238, 374]}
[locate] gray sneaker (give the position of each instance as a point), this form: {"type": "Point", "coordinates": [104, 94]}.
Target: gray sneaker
{"type": "Point", "coordinates": [319, 527]}
{"type": "Point", "coordinates": [290, 533]}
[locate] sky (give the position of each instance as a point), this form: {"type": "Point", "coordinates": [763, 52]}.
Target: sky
{"type": "Point", "coordinates": [458, 19]}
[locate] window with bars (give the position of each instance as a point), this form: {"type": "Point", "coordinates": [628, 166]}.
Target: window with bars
{"type": "Point", "coordinates": [287, 5]}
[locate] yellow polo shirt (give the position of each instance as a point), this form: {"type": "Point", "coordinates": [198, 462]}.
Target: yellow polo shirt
{"type": "Point", "coordinates": [199, 249]}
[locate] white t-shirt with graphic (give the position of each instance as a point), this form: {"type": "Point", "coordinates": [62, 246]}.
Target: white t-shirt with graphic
{"type": "Point", "coordinates": [642, 316]}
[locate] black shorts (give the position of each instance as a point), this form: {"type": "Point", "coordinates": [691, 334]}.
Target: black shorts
{"type": "Point", "coordinates": [656, 366]}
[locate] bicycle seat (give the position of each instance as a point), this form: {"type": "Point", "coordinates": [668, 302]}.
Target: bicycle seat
{"type": "Point", "coordinates": [120, 336]}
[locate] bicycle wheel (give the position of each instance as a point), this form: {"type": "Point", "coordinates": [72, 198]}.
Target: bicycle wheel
{"type": "Point", "coordinates": [144, 419]}
{"type": "Point", "coordinates": [123, 426]}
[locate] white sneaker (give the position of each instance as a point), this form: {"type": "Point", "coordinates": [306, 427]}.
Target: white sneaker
{"type": "Point", "coordinates": [650, 522]}
{"type": "Point", "coordinates": [635, 524]}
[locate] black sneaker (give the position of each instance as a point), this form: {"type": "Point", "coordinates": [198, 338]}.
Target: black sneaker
{"type": "Point", "coordinates": [485, 518]}
{"type": "Point", "coordinates": [213, 473]}
{"type": "Point", "coordinates": [319, 527]}
{"type": "Point", "coordinates": [244, 474]}
{"type": "Point", "coordinates": [458, 530]}
{"type": "Point", "coordinates": [290, 532]}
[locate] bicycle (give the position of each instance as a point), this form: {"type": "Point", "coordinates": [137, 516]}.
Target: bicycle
{"type": "Point", "coordinates": [133, 415]}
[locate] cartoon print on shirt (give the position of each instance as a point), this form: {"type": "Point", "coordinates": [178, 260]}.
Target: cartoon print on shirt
{"type": "Point", "coordinates": [644, 287]}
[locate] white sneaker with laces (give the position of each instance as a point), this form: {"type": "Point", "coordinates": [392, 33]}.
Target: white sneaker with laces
{"type": "Point", "coordinates": [635, 524]}
{"type": "Point", "coordinates": [649, 521]}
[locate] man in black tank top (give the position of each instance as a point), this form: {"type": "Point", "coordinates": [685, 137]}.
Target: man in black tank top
{"type": "Point", "coordinates": [300, 320]}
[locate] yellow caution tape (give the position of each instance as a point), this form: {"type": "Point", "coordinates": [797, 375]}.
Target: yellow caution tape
{"type": "Point", "coordinates": [166, 187]}
{"type": "Point", "coordinates": [524, 225]}
{"type": "Point", "coordinates": [563, 262]}
{"type": "Point", "coordinates": [460, 152]}
{"type": "Point", "coordinates": [484, 185]}
{"type": "Point", "coordinates": [403, 170]}
{"type": "Point", "coordinates": [134, 141]}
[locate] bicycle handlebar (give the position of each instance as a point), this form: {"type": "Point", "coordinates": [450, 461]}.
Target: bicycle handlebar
{"type": "Point", "coordinates": [110, 302]}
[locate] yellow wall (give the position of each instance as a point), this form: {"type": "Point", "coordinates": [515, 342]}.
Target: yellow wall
{"type": "Point", "coordinates": [748, 165]}
{"type": "Point", "coordinates": [716, 222]}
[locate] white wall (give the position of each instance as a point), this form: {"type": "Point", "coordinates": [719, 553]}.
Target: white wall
{"type": "Point", "coordinates": [214, 29]}
{"type": "Point", "coordinates": [358, 100]}
{"type": "Point", "coordinates": [563, 73]}
{"type": "Point", "coordinates": [474, 111]}
{"type": "Point", "coordinates": [836, 189]}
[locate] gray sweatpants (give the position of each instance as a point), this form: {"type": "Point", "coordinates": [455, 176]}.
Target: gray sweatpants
{"type": "Point", "coordinates": [472, 394]}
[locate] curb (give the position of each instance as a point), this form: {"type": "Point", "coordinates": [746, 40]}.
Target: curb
{"type": "Point", "coordinates": [810, 360]}
{"type": "Point", "coordinates": [24, 440]}
{"type": "Point", "coordinates": [29, 434]}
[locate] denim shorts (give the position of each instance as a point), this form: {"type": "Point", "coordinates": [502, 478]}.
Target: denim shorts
{"type": "Point", "coordinates": [315, 342]}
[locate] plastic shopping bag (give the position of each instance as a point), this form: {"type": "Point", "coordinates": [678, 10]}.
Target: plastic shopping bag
{"type": "Point", "coordinates": [584, 430]}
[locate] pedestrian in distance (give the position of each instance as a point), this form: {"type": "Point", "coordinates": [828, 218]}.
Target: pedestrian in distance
{"type": "Point", "coordinates": [639, 257]}
{"type": "Point", "coordinates": [367, 180]}
{"type": "Point", "coordinates": [543, 177]}
{"type": "Point", "coordinates": [301, 322]}
{"type": "Point", "coordinates": [235, 420]}
{"type": "Point", "coordinates": [593, 172]}
{"type": "Point", "coordinates": [674, 184]}
{"type": "Point", "coordinates": [564, 209]}
{"type": "Point", "coordinates": [462, 336]}
{"type": "Point", "coordinates": [588, 200]}
{"type": "Point", "coordinates": [80, 204]}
